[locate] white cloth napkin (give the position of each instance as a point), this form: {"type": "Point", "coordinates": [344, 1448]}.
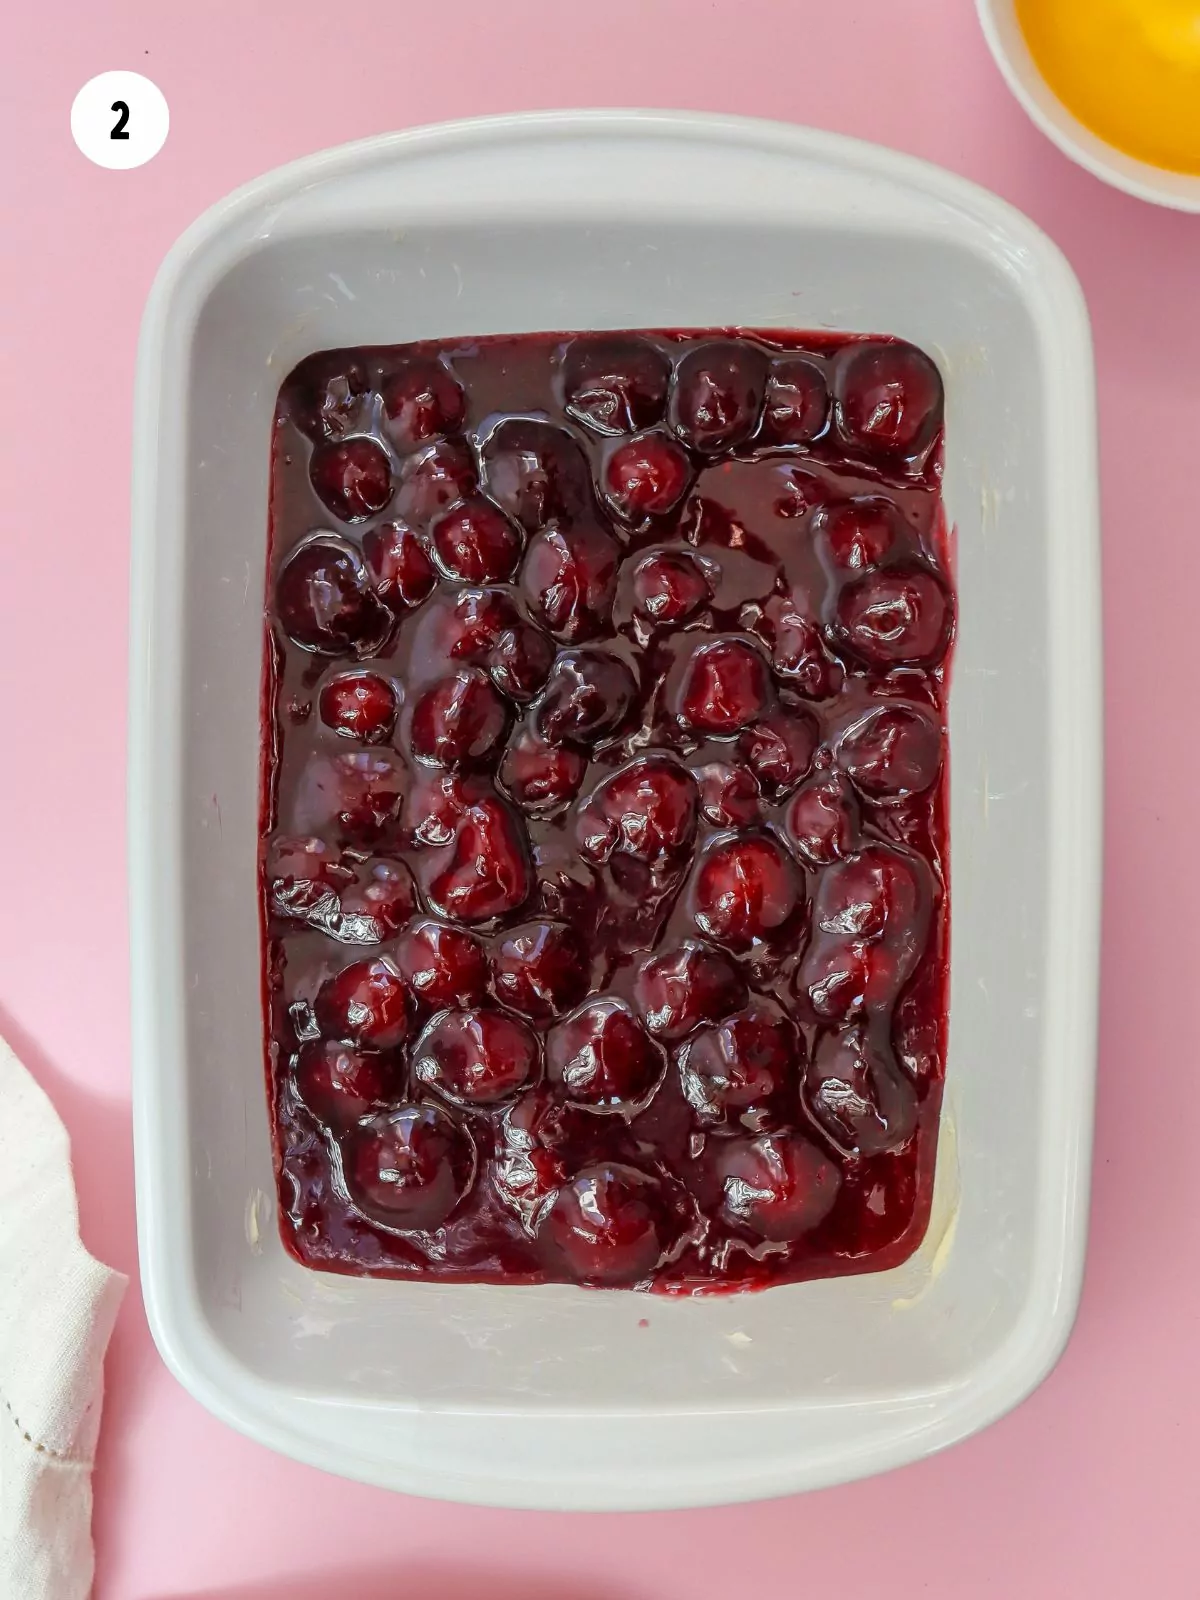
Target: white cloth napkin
{"type": "Point", "coordinates": [57, 1307]}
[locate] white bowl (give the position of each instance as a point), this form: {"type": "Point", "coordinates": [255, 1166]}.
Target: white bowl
{"type": "Point", "coordinates": [1160, 186]}
{"type": "Point", "coordinates": [561, 1397]}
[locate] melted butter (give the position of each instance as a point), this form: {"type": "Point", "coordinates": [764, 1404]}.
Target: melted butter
{"type": "Point", "coordinates": [1128, 69]}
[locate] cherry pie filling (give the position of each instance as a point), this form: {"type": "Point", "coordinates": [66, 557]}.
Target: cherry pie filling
{"type": "Point", "coordinates": [604, 855]}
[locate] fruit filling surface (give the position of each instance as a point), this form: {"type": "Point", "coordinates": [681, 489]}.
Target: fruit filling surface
{"type": "Point", "coordinates": [603, 831]}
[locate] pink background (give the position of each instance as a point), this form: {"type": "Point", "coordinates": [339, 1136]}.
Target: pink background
{"type": "Point", "coordinates": [1085, 1490]}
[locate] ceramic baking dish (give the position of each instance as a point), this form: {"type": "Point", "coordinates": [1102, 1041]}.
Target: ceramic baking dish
{"type": "Point", "coordinates": [555, 1396]}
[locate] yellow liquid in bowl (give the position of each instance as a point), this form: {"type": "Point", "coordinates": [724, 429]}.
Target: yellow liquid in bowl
{"type": "Point", "coordinates": [1128, 69]}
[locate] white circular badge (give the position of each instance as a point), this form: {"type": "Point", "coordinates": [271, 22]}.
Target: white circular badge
{"type": "Point", "coordinates": [120, 119]}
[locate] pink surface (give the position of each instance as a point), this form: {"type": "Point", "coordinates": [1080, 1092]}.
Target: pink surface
{"type": "Point", "coordinates": [1086, 1490]}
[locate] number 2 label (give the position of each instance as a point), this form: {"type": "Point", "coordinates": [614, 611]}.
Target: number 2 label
{"type": "Point", "coordinates": [120, 119]}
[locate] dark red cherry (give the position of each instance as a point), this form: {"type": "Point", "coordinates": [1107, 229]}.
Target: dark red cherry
{"type": "Point", "coordinates": [437, 477]}
{"type": "Point", "coordinates": [487, 873]}
{"type": "Point", "coordinates": [892, 752]}
{"type": "Point", "coordinates": [352, 477]}
{"type": "Point", "coordinates": [602, 1058]}
{"type": "Point", "coordinates": [541, 969]}
{"type": "Point", "coordinates": [796, 649]}
{"type": "Point", "coordinates": [530, 1163]}
{"type": "Point", "coordinates": [471, 626]}
{"type": "Point", "coordinates": [541, 777]}
{"type": "Point", "coordinates": [726, 686]}
{"type": "Point", "coordinates": [608, 1225]}
{"type": "Point", "coordinates": [358, 705]}
{"type": "Point", "coordinates": [324, 601]}
{"type": "Point", "coordinates": [570, 578]}
{"type": "Point", "coordinates": [779, 748]}
{"type": "Point", "coordinates": [646, 810]}
{"type": "Point", "coordinates": [400, 569]}
{"type": "Point", "coordinates": [303, 876]}
{"type": "Point", "coordinates": [718, 395]}
{"type": "Point", "coordinates": [409, 1168]}
{"type": "Point", "coordinates": [879, 890]}
{"type": "Point", "coordinates": [870, 926]}
{"type": "Point", "coordinates": [376, 903]}
{"type": "Point", "coordinates": [476, 1057]}
{"type": "Point", "coordinates": [332, 396]}
{"type": "Point", "coordinates": [442, 966]}
{"type": "Point", "coordinates": [778, 1186]}
{"type": "Point", "coordinates": [729, 795]}
{"type": "Point", "coordinates": [485, 628]}
{"type": "Point", "coordinates": [438, 800]}
{"type": "Point", "coordinates": [836, 974]}
{"type": "Point", "coordinates": [859, 1093]}
{"type": "Point", "coordinates": [521, 660]}
{"type": "Point", "coordinates": [746, 889]}
{"type": "Point", "coordinates": [797, 403]}
{"type": "Point", "coordinates": [683, 988]}
{"type": "Point", "coordinates": [859, 534]}
{"type": "Point", "coordinates": [356, 794]}
{"type": "Point", "coordinates": [900, 616]}
{"type": "Point", "coordinates": [738, 1070]}
{"type": "Point", "coordinates": [462, 624]}
{"type": "Point", "coordinates": [536, 471]}
{"type": "Point", "coordinates": [422, 400]}
{"type": "Point", "coordinates": [614, 385]}
{"type": "Point", "coordinates": [366, 1002]}
{"type": "Point", "coordinates": [340, 1083]}
{"type": "Point", "coordinates": [646, 476]}
{"type": "Point", "coordinates": [669, 587]}
{"type": "Point", "coordinates": [888, 398]}
{"type": "Point", "coordinates": [460, 721]}
{"type": "Point", "coordinates": [587, 696]}
{"type": "Point", "coordinates": [823, 819]}
{"type": "Point", "coordinates": [475, 542]}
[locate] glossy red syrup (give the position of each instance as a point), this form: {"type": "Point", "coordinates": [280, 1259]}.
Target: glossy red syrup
{"type": "Point", "coordinates": [604, 857]}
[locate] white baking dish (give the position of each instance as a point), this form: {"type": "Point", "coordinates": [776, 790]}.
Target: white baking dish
{"type": "Point", "coordinates": [559, 1397]}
